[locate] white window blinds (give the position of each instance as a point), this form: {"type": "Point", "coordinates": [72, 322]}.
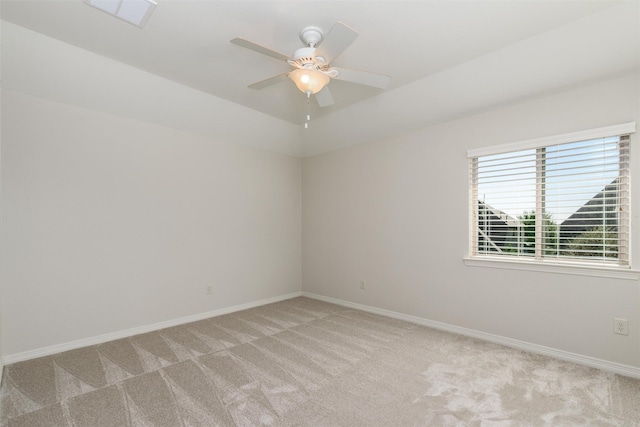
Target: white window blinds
{"type": "Point", "coordinates": [564, 201]}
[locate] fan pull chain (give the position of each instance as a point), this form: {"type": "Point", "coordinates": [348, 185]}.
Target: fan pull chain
{"type": "Point", "coordinates": [306, 123]}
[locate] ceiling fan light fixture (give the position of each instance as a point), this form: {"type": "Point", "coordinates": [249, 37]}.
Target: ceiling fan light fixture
{"type": "Point", "coordinates": [309, 79]}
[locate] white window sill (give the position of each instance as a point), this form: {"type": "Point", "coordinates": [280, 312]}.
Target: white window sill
{"type": "Point", "coordinates": [549, 267]}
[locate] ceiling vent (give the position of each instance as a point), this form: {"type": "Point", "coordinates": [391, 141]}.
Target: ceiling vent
{"type": "Point", "coordinates": [135, 12]}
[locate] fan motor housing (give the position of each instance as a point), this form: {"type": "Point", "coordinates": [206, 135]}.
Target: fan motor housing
{"type": "Point", "coordinates": [305, 55]}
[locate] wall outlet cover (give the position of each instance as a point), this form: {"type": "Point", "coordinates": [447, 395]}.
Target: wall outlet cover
{"type": "Point", "coordinates": [621, 326]}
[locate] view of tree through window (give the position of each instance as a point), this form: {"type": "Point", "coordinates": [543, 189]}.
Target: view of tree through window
{"type": "Point", "coordinates": [566, 201]}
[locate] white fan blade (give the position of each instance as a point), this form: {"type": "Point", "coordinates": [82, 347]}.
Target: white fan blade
{"type": "Point", "coordinates": [335, 42]}
{"type": "Point", "coordinates": [366, 78]}
{"type": "Point", "coordinates": [268, 82]}
{"type": "Point", "coordinates": [324, 97]}
{"type": "Point", "coordinates": [259, 48]}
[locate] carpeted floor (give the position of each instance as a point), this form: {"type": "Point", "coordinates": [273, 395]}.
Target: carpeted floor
{"type": "Point", "coordinates": [303, 362]}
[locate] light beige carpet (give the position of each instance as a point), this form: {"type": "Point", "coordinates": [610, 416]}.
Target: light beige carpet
{"type": "Point", "coordinates": [304, 362]}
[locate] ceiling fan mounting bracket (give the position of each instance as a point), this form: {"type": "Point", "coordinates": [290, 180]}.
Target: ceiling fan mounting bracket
{"type": "Point", "coordinates": [311, 36]}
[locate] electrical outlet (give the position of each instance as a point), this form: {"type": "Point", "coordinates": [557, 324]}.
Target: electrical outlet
{"type": "Point", "coordinates": [621, 326]}
{"type": "Point", "coordinates": [363, 284]}
{"type": "Point", "coordinates": [209, 289]}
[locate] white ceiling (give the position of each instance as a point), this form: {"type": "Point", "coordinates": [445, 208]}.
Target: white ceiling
{"type": "Point", "coordinates": [447, 59]}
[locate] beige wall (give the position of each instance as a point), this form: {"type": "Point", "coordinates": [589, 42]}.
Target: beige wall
{"type": "Point", "coordinates": [1, 316]}
{"type": "Point", "coordinates": [119, 210]}
{"type": "Point", "coordinates": [110, 223]}
{"type": "Point", "coordinates": [395, 213]}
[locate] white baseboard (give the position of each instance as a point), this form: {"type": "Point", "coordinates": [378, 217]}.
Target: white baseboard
{"type": "Point", "coordinates": [618, 368]}
{"type": "Point", "coordinates": [58, 348]}
{"type": "Point", "coordinates": [605, 365]}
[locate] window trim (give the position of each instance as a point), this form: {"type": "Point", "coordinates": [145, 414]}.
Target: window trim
{"type": "Point", "coordinates": [619, 129]}
{"type": "Point", "coordinates": [551, 266]}
{"type": "Point", "coordinates": [625, 273]}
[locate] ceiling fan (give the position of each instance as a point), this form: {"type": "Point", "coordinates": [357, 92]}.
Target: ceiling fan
{"type": "Point", "coordinates": [312, 71]}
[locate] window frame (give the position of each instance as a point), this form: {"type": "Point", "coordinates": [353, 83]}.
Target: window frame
{"type": "Point", "coordinates": [547, 265]}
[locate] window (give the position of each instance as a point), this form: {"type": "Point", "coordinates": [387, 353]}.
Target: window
{"type": "Point", "coordinates": [559, 199]}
